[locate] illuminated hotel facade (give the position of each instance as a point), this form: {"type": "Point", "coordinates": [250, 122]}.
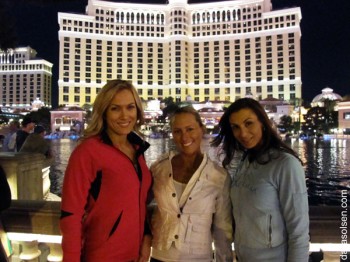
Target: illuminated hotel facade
{"type": "Point", "coordinates": [218, 51]}
{"type": "Point", "coordinates": [24, 78]}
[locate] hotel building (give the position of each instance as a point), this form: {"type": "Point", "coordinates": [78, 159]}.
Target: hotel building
{"type": "Point", "coordinates": [24, 78]}
{"type": "Point", "coordinates": [217, 51]}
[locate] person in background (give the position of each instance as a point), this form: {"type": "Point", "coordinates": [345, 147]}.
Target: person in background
{"type": "Point", "coordinates": [36, 142]}
{"type": "Point", "coordinates": [9, 143]}
{"type": "Point", "coordinates": [268, 192]}
{"type": "Point", "coordinates": [191, 193]}
{"type": "Point", "coordinates": [22, 134]}
{"type": "Point", "coordinates": [106, 183]}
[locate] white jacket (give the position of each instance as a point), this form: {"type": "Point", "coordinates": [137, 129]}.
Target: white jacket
{"type": "Point", "coordinates": [201, 216]}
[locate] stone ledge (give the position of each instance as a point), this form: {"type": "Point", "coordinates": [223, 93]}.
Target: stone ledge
{"type": "Point", "coordinates": [42, 217]}
{"type": "Point", "coordinates": [35, 216]}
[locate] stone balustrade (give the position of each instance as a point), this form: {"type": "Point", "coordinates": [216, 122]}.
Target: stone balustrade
{"type": "Point", "coordinates": [27, 174]}
{"type": "Point", "coordinates": [33, 227]}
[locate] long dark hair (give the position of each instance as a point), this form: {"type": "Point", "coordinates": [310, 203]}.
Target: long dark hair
{"type": "Point", "coordinates": [270, 138]}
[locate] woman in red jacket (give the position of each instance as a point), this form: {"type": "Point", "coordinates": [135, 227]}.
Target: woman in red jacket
{"type": "Point", "coordinates": [107, 182]}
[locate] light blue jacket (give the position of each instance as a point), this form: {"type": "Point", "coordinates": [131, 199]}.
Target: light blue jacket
{"type": "Point", "coordinates": [270, 209]}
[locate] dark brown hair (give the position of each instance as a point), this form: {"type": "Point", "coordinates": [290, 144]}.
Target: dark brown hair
{"type": "Point", "coordinates": [230, 145]}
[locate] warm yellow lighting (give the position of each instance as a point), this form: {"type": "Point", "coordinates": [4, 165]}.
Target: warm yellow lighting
{"type": "Point", "coordinates": [329, 247]}
{"type": "Point", "coordinates": [56, 239]}
{"type": "Point", "coordinates": [31, 237]}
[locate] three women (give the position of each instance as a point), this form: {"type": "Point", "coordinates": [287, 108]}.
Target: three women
{"type": "Point", "coordinates": [107, 177]}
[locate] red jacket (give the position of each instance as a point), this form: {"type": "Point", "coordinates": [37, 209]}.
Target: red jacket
{"type": "Point", "coordinates": [104, 202]}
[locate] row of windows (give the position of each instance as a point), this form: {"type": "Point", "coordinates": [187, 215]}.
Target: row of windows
{"type": "Point", "coordinates": [206, 44]}
{"type": "Point", "coordinates": [13, 57]}
{"type": "Point", "coordinates": [105, 25]}
{"type": "Point", "coordinates": [234, 28]}
{"type": "Point", "coordinates": [175, 30]}
{"type": "Point", "coordinates": [205, 56]}
{"type": "Point", "coordinates": [248, 75]}
{"type": "Point", "coordinates": [222, 16]}
{"type": "Point", "coordinates": [237, 90]}
{"type": "Point", "coordinates": [22, 67]}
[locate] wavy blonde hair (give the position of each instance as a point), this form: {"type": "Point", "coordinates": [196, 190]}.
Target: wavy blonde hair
{"type": "Point", "coordinates": [104, 99]}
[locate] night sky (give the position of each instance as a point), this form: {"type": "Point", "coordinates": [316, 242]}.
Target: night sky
{"type": "Point", "coordinates": [325, 41]}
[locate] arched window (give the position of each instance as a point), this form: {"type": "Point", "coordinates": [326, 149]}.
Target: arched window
{"type": "Point", "coordinates": [127, 17]}
{"type": "Point", "coordinates": [117, 17]}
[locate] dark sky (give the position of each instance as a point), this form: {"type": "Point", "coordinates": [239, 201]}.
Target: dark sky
{"type": "Point", "coordinates": [325, 41]}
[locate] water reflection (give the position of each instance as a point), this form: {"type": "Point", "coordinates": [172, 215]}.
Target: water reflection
{"type": "Point", "coordinates": [327, 164]}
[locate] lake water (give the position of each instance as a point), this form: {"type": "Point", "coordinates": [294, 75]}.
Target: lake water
{"type": "Point", "coordinates": [327, 164]}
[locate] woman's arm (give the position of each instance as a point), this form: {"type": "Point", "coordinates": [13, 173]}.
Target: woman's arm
{"type": "Point", "coordinates": [294, 204]}
{"type": "Point", "coordinates": [76, 185]}
{"type": "Point", "coordinates": [222, 224]}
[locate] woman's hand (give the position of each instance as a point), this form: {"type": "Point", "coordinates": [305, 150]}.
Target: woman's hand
{"type": "Point", "coordinates": [145, 250]}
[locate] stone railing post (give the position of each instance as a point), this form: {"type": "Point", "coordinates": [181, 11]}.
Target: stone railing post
{"type": "Point", "coordinates": [27, 174]}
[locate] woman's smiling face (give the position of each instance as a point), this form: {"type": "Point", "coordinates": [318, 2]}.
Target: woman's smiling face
{"type": "Point", "coordinates": [246, 128]}
{"type": "Point", "coordinates": [187, 133]}
{"type": "Point", "coordinates": [121, 114]}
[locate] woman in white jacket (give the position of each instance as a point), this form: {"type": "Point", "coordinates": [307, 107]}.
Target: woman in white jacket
{"type": "Point", "coordinates": [191, 192]}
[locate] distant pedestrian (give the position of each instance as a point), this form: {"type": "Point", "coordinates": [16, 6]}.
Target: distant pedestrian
{"type": "Point", "coordinates": [9, 143]}
{"type": "Point", "coordinates": [22, 134]}
{"type": "Point", "coordinates": [36, 142]}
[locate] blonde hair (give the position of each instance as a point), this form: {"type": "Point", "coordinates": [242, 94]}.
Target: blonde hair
{"type": "Point", "coordinates": [104, 99]}
{"type": "Point", "coordinates": [187, 110]}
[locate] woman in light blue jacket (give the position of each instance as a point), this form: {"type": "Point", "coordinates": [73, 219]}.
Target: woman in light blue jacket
{"type": "Point", "coordinates": [268, 191]}
{"type": "Point", "coordinates": [193, 207]}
